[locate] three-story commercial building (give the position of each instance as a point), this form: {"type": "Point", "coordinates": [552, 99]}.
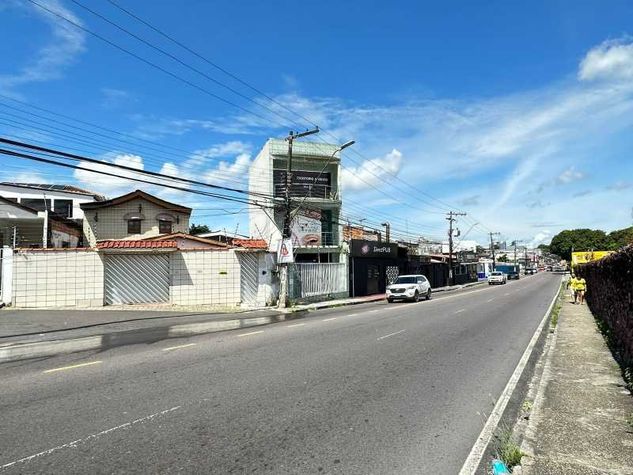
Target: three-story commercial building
{"type": "Point", "coordinates": [315, 198]}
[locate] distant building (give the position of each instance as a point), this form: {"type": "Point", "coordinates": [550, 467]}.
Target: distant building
{"type": "Point", "coordinates": [136, 215]}
{"type": "Point", "coordinates": [24, 227]}
{"type": "Point", "coordinates": [315, 195]}
{"type": "Point", "coordinates": [358, 232]}
{"type": "Point", "coordinates": [222, 236]}
{"type": "Point", "coordinates": [62, 200]}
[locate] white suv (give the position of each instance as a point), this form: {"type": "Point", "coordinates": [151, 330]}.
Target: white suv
{"type": "Point", "coordinates": [497, 277]}
{"type": "Point", "coordinates": [409, 287]}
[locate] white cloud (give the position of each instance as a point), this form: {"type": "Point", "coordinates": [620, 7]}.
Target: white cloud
{"type": "Point", "coordinates": [620, 185]}
{"type": "Point", "coordinates": [50, 61]}
{"type": "Point", "coordinates": [112, 185]}
{"type": "Point", "coordinates": [372, 172]}
{"type": "Point", "coordinates": [612, 59]}
{"type": "Point", "coordinates": [570, 175]}
{"type": "Point", "coordinates": [113, 98]}
{"type": "Point", "coordinates": [230, 171]}
{"type": "Point", "coordinates": [540, 238]}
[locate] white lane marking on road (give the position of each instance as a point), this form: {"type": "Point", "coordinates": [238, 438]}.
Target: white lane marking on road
{"type": "Point", "coordinates": [64, 368]}
{"type": "Point", "coordinates": [390, 334]}
{"type": "Point", "coordinates": [77, 442]}
{"type": "Point", "coordinates": [179, 347]}
{"type": "Point", "coordinates": [489, 300]}
{"type": "Point", "coordinates": [251, 333]}
{"type": "Point", "coordinates": [372, 311]}
{"type": "Point", "coordinates": [296, 325]}
{"type": "Point", "coordinates": [507, 293]}
{"type": "Point", "coordinates": [461, 310]}
{"type": "Point", "coordinates": [329, 319]}
{"type": "Point", "coordinates": [477, 452]}
{"type": "Point", "coordinates": [352, 315]}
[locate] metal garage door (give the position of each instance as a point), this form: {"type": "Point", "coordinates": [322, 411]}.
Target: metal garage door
{"type": "Point", "coordinates": [249, 270]}
{"type": "Point", "coordinates": [136, 278]}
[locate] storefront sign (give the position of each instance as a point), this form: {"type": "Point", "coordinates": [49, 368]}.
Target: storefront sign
{"type": "Point", "coordinates": [360, 248]}
{"type": "Point", "coordinates": [304, 183]}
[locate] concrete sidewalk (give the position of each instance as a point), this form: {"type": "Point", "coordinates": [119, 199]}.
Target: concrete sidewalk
{"type": "Point", "coordinates": [579, 422]}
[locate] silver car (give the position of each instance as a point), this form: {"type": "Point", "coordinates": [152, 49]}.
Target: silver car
{"type": "Point", "coordinates": [409, 287]}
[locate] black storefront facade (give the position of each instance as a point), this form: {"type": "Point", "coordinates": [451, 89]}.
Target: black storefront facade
{"type": "Point", "coordinates": [373, 264]}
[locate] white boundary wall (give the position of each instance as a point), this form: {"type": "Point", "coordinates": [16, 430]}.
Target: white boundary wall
{"type": "Point", "coordinates": [57, 278]}
{"type": "Point", "coordinates": [75, 278]}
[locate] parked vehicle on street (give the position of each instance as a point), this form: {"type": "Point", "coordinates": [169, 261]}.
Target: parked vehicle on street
{"type": "Point", "coordinates": [510, 270]}
{"type": "Point", "coordinates": [497, 277]}
{"type": "Point", "coordinates": [409, 287]}
{"type": "Point", "coordinates": [530, 270]}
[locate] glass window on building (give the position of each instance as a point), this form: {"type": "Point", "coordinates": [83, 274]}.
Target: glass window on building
{"type": "Point", "coordinates": [134, 226]}
{"type": "Point", "coordinates": [38, 204]}
{"type": "Point", "coordinates": [64, 208]}
{"type": "Point", "coordinates": [164, 226]}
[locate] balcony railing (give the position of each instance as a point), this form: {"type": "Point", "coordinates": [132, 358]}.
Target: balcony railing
{"type": "Point", "coordinates": [327, 239]}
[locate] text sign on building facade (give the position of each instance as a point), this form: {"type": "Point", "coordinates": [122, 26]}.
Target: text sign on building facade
{"type": "Point", "coordinates": [374, 249]}
{"type": "Point", "coordinates": [304, 183]}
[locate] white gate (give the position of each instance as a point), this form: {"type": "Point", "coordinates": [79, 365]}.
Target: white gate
{"type": "Point", "coordinates": [322, 278]}
{"type": "Point", "coordinates": [249, 277]}
{"type": "Point", "coordinates": [136, 278]}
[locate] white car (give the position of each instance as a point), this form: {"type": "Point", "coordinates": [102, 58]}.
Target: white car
{"type": "Point", "coordinates": [497, 277]}
{"type": "Point", "coordinates": [409, 287]}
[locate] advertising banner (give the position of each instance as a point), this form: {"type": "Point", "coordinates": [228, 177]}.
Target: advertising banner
{"type": "Point", "coordinates": [306, 229]}
{"type": "Point", "coordinates": [285, 254]}
{"type": "Point", "coordinates": [587, 256]}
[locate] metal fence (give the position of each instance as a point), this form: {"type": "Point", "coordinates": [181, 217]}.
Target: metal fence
{"type": "Point", "coordinates": [314, 279]}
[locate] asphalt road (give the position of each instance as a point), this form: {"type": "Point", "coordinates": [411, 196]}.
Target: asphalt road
{"type": "Point", "coordinates": [377, 388]}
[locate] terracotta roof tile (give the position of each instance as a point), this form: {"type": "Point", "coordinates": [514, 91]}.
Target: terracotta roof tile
{"type": "Point", "coordinates": [250, 243]}
{"type": "Point", "coordinates": [136, 245]}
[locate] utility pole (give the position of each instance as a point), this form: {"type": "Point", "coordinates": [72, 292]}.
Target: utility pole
{"type": "Point", "coordinates": [451, 219]}
{"type": "Point", "coordinates": [283, 274]}
{"type": "Point", "coordinates": [492, 249]}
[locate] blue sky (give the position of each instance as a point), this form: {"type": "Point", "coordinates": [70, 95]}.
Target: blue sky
{"type": "Point", "coordinates": [520, 115]}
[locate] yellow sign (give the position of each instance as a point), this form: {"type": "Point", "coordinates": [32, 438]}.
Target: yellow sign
{"type": "Point", "coordinates": [587, 256]}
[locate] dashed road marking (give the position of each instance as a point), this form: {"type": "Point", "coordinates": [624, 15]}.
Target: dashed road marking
{"type": "Point", "coordinates": [461, 310]}
{"type": "Point", "coordinates": [251, 333]}
{"type": "Point", "coordinates": [296, 325]}
{"type": "Point", "coordinates": [329, 319]}
{"type": "Point", "coordinates": [352, 315]}
{"type": "Point", "coordinates": [507, 293]}
{"type": "Point", "coordinates": [64, 368]}
{"type": "Point", "coordinates": [390, 334]}
{"type": "Point", "coordinates": [489, 300]}
{"type": "Point", "coordinates": [179, 347]}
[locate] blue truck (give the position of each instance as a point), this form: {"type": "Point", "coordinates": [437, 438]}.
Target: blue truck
{"type": "Point", "coordinates": [511, 270]}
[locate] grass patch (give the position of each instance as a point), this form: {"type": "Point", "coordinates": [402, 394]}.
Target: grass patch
{"type": "Point", "coordinates": [558, 305]}
{"type": "Point", "coordinates": [508, 450]}
{"type": "Point", "coordinates": [629, 420]}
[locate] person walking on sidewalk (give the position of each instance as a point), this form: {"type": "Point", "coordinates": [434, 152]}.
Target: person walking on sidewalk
{"type": "Point", "coordinates": [571, 285]}
{"type": "Point", "coordinates": [581, 288]}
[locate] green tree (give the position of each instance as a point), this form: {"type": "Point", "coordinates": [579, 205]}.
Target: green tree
{"type": "Point", "coordinates": [198, 229]}
{"type": "Point", "coordinates": [578, 240]}
{"type": "Point", "coordinates": [503, 258]}
{"type": "Point", "coordinates": [544, 247]}
{"type": "Point", "coordinates": [620, 238]}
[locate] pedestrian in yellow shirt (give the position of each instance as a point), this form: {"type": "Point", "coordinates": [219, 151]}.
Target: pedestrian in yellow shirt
{"type": "Point", "coordinates": [581, 288]}
{"type": "Point", "coordinates": [571, 285]}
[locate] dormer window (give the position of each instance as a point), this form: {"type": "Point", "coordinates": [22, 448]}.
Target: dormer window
{"type": "Point", "coordinates": [164, 226]}
{"type": "Point", "coordinates": [134, 226]}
